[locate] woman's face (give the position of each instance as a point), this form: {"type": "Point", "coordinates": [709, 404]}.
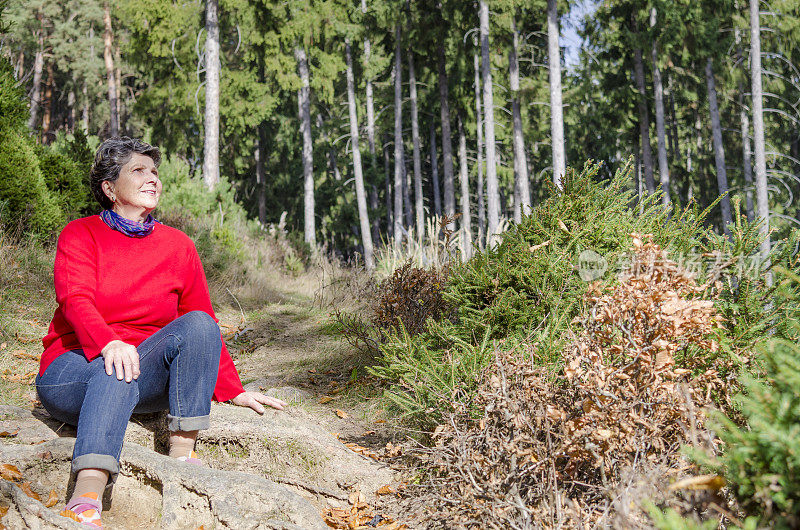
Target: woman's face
{"type": "Point", "coordinates": [136, 192]}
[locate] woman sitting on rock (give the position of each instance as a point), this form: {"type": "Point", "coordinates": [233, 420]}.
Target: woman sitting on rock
{"type": "Point", "coordinates": [134, 330]}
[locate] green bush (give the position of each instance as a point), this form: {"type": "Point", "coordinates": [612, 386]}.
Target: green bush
{"type": "Point", "coordinates": [13, 104]}
{"type": "Point", "coordinates": [25, 202]}
{"type": "Point", "coordinates": [761, 460]}
{"type": "Point", "coordinates": [530, 287]}
{"type": "Point", "coordinates": [65, 167]}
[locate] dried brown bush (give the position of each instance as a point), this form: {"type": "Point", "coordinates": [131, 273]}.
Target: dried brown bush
{"type": "Point", "coordinates": [551, 445]}
{"type": "Point", "coordinates": [411, 295]}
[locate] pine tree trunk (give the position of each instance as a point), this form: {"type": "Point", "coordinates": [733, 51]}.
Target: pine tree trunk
{"type": "Point", "coordinates": [762, 197]}
{"type": "Point", "coordinates": [556, 106]}
{"type": "Point", "coordinates": [361, 195]}
{"type": "Point", "coordinates": [479, 148]}
{"type": "Point", "coordinates": [71, 120]}
{"type": "Point", "coordinates": [211, 121]}
{"type": "Point", "coordinates": [261, 184]}
{"type": "Point", "coordinates": [376, 222]}
{"type": "Point", "coordinates": [118, 85]}
{"type": "Point", "coordinates": [674, 149]}
{"type": "Point", "coordinates": [492, 188]}
{"type": "Point", "coordinates": [85, 112]}
{"type": "Point", "coordinates": [108, 56]}
{"type": "Point", "coordinates": [408, 216]}
{"type": "Point", "coordinates": [747, 164]}
{"type": "Point", "coordinates": [418, 203]}
{"type": "Point", "coordinates": [437, 194]}
{"type": "Point", "coordinates": [644, 121]}
{"type": "Point", "coordinates": [48, 103]}
{"type": "Point", "coordinates": [663, 167]}
{"type": "Point", "coordinates": [388, 192]}
{"type": "Point", "coordinates": [447, 142]}
{"type": "Point", "coordinates": [304, 110]}
{"type": "Point", "coordinates": [36, 92]}
{"type": "Point", "coordinates": [719, 148]}
{"type": "Point", "coordinates": [398, 139]}
{"type": "Point", "coordinates": [522, 187]}
{"type": "Point", "coordinates": [463, 177]}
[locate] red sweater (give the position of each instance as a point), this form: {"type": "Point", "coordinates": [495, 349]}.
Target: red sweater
{"type": "Point", "coordinates": [113, 287]}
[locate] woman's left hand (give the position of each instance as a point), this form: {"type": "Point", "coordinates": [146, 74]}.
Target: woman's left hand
{"type": "Point", "coordinates": [257, 400]}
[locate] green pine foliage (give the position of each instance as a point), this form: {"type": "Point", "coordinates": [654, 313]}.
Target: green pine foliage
{"type": "Point", "coordinates": [528, 289]}
{"type": "Point", "coordinates": [25, 202]}
{"type": "Point", "coordinates": [65, 167]}
{"type": "Point", "coordinates": [13, 106]}
{"type": "Point", "coordinates": [761, 460]}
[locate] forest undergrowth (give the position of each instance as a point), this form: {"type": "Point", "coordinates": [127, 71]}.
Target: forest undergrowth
{"type": "Point", "coordinates": [559, 378]}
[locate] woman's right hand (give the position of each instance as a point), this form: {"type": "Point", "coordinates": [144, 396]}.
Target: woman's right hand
{"type": "Point", "coordinates": [121, 358]}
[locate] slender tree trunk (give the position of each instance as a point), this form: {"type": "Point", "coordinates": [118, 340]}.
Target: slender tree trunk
{"type": "Point", "coordinates": [398, 139]}
{"type": "Point", "coordinates": [463, 177]}
{"type": "Point", "coordinates": [261, 184]}
{"type": "Point", "coordinates": [388, 194]}
{"type": "Point", "coordinates": [663, 167]}
{"type": "Point", "coordinates": [361, 196]}
{"type": "Point", "coordinates": [492, 188]}
{"type": "Point", "coordinates": [211, 121]}
{"type": "Point", "coordinates": [644, 121]}
{"type": "Point", "coordinates": [418, 203]}
{"type": "Point", "coordinates": [71, 119]}
{"type": "Point", "coordinates": [48, 103]}
{"type": "Point", "coordinates": [719, 149]}
{"type": "Point", "coordinates": [479, 148]}
{"type": "Point", "coordinates": [447, 142]}
{"type": "Point", "coordinates": [523, 193]}
{"type": "Point", "coordinates": [408, 216]}
{"type": "Point", "coordinates": [118, 85]}
{"type": "Point", "coordinates": [437, 195]}
{"type": "Point", "coordinates": [20, 66]}
{"type": "Point", "coordinates": [556, 106]}
{"type": "Point", "coordinates": [85, 112]}
{"type": "Point", "coordinates": [304, 110]}
{"type": "Point", "coordinates": [108, 56]}
{"type": "Point", "coordinates": [762, 197]}
{"type": "Point", "coordinates": [371, 138]}
{"type": "Point", "coordinates": [38, 66]}
{"type": "Point", "coordinates": [744, 120]}
{"type": "Point", "coordinates": [674, 149]}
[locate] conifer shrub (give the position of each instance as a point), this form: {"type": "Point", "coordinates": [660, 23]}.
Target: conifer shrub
{"type": "Point", "coordinates": [67, 178]}
{"type": "Point", "coordinates": [761, 458]}
{"type": "Point", "coordinates": [529, 289]}
{"type": "Point", "coordinates": [25, 202]}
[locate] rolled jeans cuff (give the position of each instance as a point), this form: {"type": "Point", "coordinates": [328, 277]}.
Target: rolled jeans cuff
{"type": "Point", "coordinates": [96, 461]}
{"type": "Point", "coordinates": [192, 423]}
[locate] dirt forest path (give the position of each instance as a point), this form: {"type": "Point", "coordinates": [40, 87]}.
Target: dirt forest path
{"type": "Point", "coordinates": [323, 459]}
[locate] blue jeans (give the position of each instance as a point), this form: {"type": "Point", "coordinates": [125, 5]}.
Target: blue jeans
{"type": "Point", "coordinates": [179, 366]}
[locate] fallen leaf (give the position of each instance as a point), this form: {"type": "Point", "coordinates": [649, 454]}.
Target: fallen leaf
{"type": "Point", "coordinates": [339, 412]}
{"type": "Point", "coordinates": [3, 510]}
{"type": "Point", "coordinates": [6, 434]}
{"type": "Point", "coordinates": [385, 490]}
{"type": "Point", "coordinates": [368, 433]}
{"type": "Point", "coordinates": [52, 499]}
{"type": "Point", "coordinates": [312, 371]}
{"type": "Point", "coordinates": [26, 489]}
{"type": "Point", "coordinates": [9, 472]}
{"type": "Point", "coordinates": [700, 482]}
{"type": "Point", "coordinates": [326, 399]}
{"type": "Point", "coordinates": [379, 421]}
{"type": "Point", "coordinates": [562, 226]}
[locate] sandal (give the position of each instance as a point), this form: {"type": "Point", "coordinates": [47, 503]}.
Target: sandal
{"type": "Point", "coordinates": [85, 509]}
{"type": "Point", "coordinates": [191, 459]}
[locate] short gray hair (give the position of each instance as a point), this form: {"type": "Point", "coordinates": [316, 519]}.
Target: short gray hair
{"type": "Point", "coordinates": [109, 159]}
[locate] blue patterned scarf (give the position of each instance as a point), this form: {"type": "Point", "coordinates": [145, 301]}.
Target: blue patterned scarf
{"type": "Point", "coordinates": [130, 228]}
